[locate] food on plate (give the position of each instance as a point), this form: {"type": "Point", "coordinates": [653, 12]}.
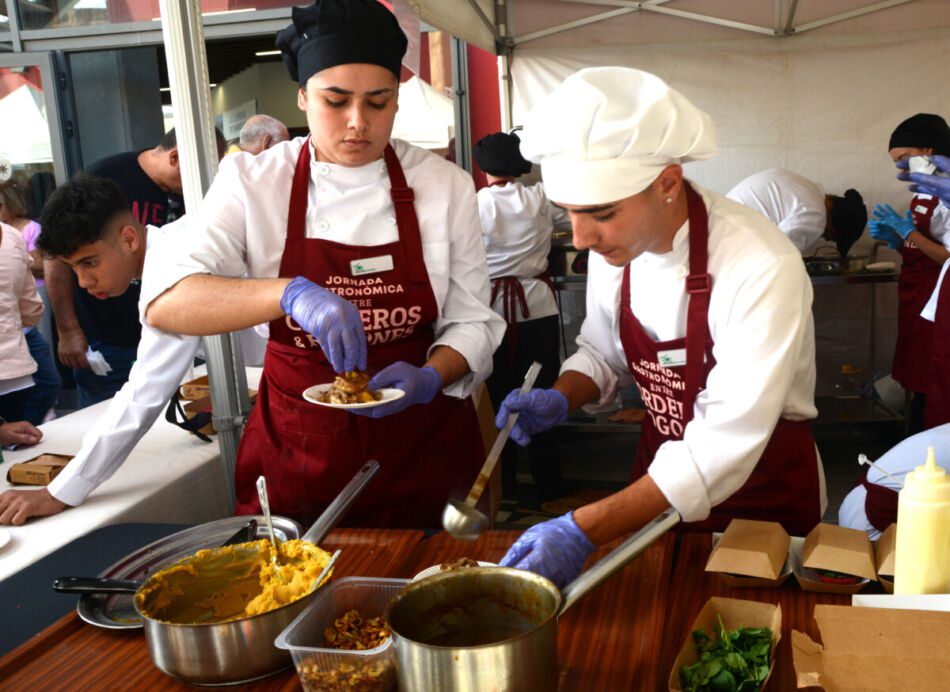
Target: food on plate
{"type": "Point", "coordinates": [735, 660]}
{"type": "Point", "coordinates": [371, 676]}
{"type": "Point", "coordinates": [352, 632]}
{"type": "Point", "coordinates": [829, 576]}
{"type": "Point", "coordinates": [459, 563]}
{"type": "Point", "coordinates": [350, 388]}
{"type": "Point", "coordinates": [229, 583]}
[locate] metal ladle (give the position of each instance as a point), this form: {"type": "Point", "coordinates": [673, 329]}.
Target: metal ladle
{"type": "Point", "coordinates": [265, 508]}
{"type": "Point", "coordinates": [461, 519]}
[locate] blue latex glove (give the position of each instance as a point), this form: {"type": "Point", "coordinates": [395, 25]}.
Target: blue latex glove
{"type": "Point", "coordinates": [555, 549]}
{"type": "Point", "coordinates": [540, 410]}
{"type": "Point", "coordinates": [334, 321]}
{"type": "Point", "coordinates": [885, 215]}
{"type": "Point", "coordinates": [420, 385]}
{"type": "Point", "coordinates": [885, 234]}
{"type": "Point", "coordinates": [936, 185]}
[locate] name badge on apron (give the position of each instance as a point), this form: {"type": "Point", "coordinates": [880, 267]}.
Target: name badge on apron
{"type": "Point", "coordinates": [673, 358]}
{"type": "Point", "coordinates": [371, 265]}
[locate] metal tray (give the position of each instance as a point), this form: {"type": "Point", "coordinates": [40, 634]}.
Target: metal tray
{"type": "Point", "coordinates": [116, 611]}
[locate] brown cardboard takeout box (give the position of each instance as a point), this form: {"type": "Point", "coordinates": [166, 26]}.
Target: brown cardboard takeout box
{"type": "Point", "coordinates": [40, 470]}
{"type": "Point", "coordinates": [751, 554]}
{"type": "Point", "coordinates": [197, 388]}
{"type": "Point", "coordinates": [836, 548]}
{"type": "Point", "coordinates": [735, 613]}
{"type": "Point", "coordinates": [868, 649]}
{"type": "Point", "coordinates": [884, 557]}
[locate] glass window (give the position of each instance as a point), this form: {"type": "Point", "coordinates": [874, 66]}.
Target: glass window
{"type": "Point", "coordinates": [52, 14]}
{"type": "Point", "coordinates": [4, 27]}
{"type": "Point", "coordinates": [26, 158]}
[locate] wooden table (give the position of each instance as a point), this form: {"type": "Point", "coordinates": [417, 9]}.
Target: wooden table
{"type": "Point", "coordinates": [609, 641]}
{"type": "Point", "coordinates": [692, 586]}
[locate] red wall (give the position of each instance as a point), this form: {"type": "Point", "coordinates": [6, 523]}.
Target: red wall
{"type": "Point", "coordinates": [483, 100]}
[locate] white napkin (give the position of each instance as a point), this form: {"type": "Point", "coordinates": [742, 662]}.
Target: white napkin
{"type": "Point", "coordinates": [97, 362]}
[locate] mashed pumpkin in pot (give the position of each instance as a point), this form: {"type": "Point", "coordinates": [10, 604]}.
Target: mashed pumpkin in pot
{"type": "Point", "coordinates": [223, 584]}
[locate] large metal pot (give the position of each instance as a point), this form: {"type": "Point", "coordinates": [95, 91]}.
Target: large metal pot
{"type": "Point", "coordinates": [236, 651]}
{"type": "Point", "coordinates": [493, 628]}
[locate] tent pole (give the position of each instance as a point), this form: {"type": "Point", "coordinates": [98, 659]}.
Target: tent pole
{"type": "Point", "coordinates": [463, 118]}
{"type": "Point", "coordinates": [183, 36]}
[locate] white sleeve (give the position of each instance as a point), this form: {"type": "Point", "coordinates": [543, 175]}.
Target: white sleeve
{"type": "Point", "coordinates": [746, 389]}
{"type": "Point", "coordinates": [598, 353]}
{"type": "Point", "coordinates": [804, 227]}
{"type": "Point", "coordinates": [941, 218]}
{"type": "Point", "coordinates": [215, 241]}
{"type": "Point", "coordinates": [466, 322]}
{"type": "Point", "coordinates": [929, 312]}
{"type": "Point", "coordinates": [161, 363]}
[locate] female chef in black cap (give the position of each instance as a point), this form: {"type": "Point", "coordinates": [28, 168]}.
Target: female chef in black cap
{"type": "Point", "coordinates": [923, 238]}
{"type": "Point", "coordinates": [363, 254]}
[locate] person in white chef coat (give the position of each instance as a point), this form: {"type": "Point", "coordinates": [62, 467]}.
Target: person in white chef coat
{"type": "Point", "coordinates": [700, 301]}
{"type": "Point", "coordinates": [518, 222]}
{"type": "Point", "coordinates": [802, 210]}
{"type": "Point", "coordinates": [363, 253]}
{"type": "Point", "coordinates": [88, 224]}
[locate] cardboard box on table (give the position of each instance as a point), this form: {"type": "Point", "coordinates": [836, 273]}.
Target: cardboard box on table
{"type": "Point", "coordinates": [751, 554]}
{"type": "Point", "coordinates": [197, 394]}
{"type": "Point", "coordinates": [884, 551]}
{"type": "Point", "coordinates": [735, 613]}
{"type": "Point", "coordinates": [832, 548]}
{"type": "Point", "coordinates": [40, 470]}
{"type": "Point", "coordinates": [874, 650]}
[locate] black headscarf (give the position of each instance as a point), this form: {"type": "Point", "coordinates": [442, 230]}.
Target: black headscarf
{"type": "Point", "coordinates": [922, 131]}
{"type": "Point", "coordinates": [849, 216]}
{"type": "Point", "coordinates": [341, 32]}
{"type": "Point", "coordinates": [499, 154]}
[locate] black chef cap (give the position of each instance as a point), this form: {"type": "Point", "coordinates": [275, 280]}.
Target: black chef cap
{"type": "Point", "coordinates": [849, 216]}
{"type": "Point", "coordinates": [341, 32]}
{"type": "Point", "coordinates": [922, 131]}
{"type": "Point", "coordinates": [499, 154]}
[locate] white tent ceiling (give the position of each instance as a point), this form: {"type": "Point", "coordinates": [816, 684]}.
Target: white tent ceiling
{"type": "Point", "coordinates": [578, 23]}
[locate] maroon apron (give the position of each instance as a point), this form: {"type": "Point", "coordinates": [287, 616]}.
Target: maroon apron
{"type": "Point", "coordinates": [919, 273]}
{"type": "Point", "coordinates": [784, 485]}
{"type": "Point", "coordinates": [937, 407]}
{"type": "Point", "coordinates": [513, 299]}
{"type": "Point", "coordinates": [309, 452]}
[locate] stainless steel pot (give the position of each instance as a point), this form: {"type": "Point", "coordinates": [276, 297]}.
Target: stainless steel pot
{"type": "Point", "coordinates": [493, 628]}
{"type": "Point", "coordinates": [242, 650]}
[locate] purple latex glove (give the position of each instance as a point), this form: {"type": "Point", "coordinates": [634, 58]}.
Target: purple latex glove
{"type": "Point", "coordinates": [335, 322]}
{"type": "Point", "coordinates": [935, 185]}
{"type": "Point", "coordinates": [539, 409]}
{"type": "Point", "coordinates": [555, 549]}
{"type": "Point", "coordinates": [886, 216]}
{"type": "Point", "coordinates": [420, 385]}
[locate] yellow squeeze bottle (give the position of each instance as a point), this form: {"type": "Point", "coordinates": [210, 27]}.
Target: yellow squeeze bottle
{"type": "Point", "coordinates": [922, 558]}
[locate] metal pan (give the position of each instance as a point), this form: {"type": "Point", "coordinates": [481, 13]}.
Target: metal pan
{"type": "Point", "coordinates": [241, 650]}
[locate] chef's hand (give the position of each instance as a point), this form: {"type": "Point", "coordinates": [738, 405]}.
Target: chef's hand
{"type": "Point", "coordinates": [539, 409]}
{"type": "Point", "coordinates": [555, 549]}
{"type": "Point", "coordinates": [19, 432]}
{"type": "Point", "coordinates": [934, 185]}
{"type": "Point", "coordinates": [885, 234]}
{"type": "Point", "coordinates": [885, 215]}
{"type": "Point", "coordinates": [16, 506]}
{"type": "Point", "coordinates": [335, 322]}
{"type": "Point", "coordinates": [420, 385]}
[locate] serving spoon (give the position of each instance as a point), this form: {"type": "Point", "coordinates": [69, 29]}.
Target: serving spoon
{"type": "Point", "coordinates": [265, 508]}
{"type": "Point", "coordinates": [461, 519]}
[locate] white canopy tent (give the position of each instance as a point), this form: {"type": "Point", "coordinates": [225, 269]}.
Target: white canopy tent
{"type": "Point", "coordinates": [426, 116]}
{"type": "Point", "coordinates": [27, 142]}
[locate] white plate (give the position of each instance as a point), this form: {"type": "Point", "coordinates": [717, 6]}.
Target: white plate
{"type": "Point", "coordinates": [435, 569]}
{"type": "Point", "coordinates": [312, 394]}
{"type": "Point", "coordinates": [4, 537]}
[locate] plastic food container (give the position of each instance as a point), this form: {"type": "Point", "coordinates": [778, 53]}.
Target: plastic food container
{"type": "Point", "coordinates": [322, 669]}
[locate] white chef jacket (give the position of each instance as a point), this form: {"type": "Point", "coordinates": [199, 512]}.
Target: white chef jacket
{"type": "Point", "coordinates": [761, 322]}
{"type": "Point", "coordinates": [160, 365]}
{"type": "Point", "coordinates": [939, 222]}
{"type": "Point", "coordinates": [790, 201]}
{"type": "Point", "coordinates": [929, 312]}
{"type": "Point", "coordinates": [242, 226]}
{"type": "Point", "coordinates": [897, 461]}
{"type": "Point", "coordinates": [517, 223]}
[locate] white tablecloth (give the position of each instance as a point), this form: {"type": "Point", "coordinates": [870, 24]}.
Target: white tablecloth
{"type": "Point", "coordinates": [170, 477]}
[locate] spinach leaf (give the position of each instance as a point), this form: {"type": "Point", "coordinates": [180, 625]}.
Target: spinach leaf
{"type": "Point", "coordinates": [735, 661]}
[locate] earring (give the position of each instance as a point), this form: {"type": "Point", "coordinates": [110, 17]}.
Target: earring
{"type": "Point", "coordinates": [669, 200]}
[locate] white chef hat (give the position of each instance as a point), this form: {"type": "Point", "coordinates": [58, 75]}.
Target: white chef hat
{"type": "Point", "coordinates": [606, 133]}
